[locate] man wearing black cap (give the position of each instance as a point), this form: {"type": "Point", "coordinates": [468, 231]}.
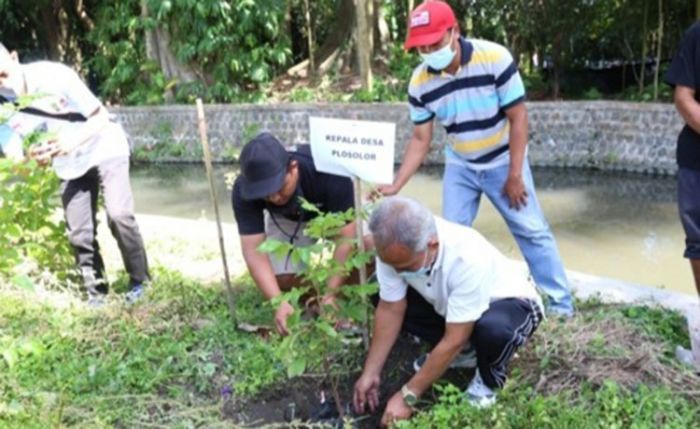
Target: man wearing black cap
{"type": "Point", "coordinates": [266, 204]}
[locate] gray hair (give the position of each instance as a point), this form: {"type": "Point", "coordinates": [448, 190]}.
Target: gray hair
{"type": "Point", "coordinates": [404, 221]}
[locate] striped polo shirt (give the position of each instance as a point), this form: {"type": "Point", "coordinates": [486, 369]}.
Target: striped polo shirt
{"type": "Point", "coordinates": [471, 103]}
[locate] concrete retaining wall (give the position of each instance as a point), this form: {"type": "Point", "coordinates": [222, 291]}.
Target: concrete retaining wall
{"type": "Point", "coordinates": [639, 137]}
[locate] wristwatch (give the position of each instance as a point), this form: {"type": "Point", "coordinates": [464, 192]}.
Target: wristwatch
{"type": "Point", "coordinates": [409, 397]}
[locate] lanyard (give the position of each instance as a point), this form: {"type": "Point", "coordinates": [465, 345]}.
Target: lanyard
{"type": "Point", "coordinates": [291, 237]}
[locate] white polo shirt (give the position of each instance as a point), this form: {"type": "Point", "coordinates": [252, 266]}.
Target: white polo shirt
{"type": "Point", "coordinates": [60, 91]}
{"type": "Point", "coordinates": [467, 275]}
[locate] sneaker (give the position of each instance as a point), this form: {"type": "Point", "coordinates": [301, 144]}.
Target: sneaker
{"type": "Point", "coordinates": [135, 294]}
{"type": "Point", "coordinates": [685, 356]}
{"type": "Point", "coordinates": [561, 312]}
{"type": "Point", "coordinates": [478, 394]}
{"type": "Point", "coordinates": [465, 360]}
{"type": "Point", "coordinates": [96, 301]}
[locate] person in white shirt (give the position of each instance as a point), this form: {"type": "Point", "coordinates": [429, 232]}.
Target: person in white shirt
{"type": "Point", "coordinates": [446, 284]}
{"type": "Point", "coordinates": [88, 152]}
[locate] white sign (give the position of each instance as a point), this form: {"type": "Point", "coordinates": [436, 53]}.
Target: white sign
{"type": "Point", "coordinates": [363, 149]}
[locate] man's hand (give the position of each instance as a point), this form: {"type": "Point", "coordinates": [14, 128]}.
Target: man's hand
{"type": "Point", "coordinates": [43, 153]}
{"type": "Point", "coordinates": [514, 190]}
{"type": "Point", "coordinates": [283, 312]}
{"type": "Point", "coordinates": [383, 191]}
{"type": "Point", "coordinates": [329, 299]}
{"type": "Point", "coordinates": [396, 409]}
{"type": "Point", "coordinates": [366, 393]}
{"type": "Point", "coordinates": [388, 190]}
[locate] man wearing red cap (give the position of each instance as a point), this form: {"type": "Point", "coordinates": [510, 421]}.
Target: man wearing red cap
{"type": "Point", "coordinates": [473, 88]}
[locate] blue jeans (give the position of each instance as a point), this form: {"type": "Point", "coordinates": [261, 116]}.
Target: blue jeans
{"type": "Point", "coordinates": [462, 188]}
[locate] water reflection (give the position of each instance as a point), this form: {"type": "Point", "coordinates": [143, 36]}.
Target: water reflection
{"type": "Point", "coordinates": [610, 224]}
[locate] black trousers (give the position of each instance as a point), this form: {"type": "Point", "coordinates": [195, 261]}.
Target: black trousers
{"type": "Point", "coordinates": [79, 197]}
{"type": "Point", "coordinates": [504, 327]}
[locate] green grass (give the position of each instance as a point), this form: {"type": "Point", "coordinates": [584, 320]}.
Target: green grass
{"type": "Point", "coordinates": [609, 367]}
{"type": "Point", "coordinates": [119, 366]}
{"type": "Point", "coordinates": [605, 407]}
{"type": "Point", "coordinates": [165, 362]}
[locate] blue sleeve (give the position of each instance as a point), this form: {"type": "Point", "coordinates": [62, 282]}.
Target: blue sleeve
{"type": "Point", "coordinates": [509, 84]}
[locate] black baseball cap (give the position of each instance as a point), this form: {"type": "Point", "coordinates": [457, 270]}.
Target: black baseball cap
{"type": "Point", "coordinates": [263, 166]}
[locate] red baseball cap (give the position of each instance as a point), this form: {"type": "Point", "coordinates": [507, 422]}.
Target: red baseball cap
{"type": "Point", "coordinates": [428, 23]}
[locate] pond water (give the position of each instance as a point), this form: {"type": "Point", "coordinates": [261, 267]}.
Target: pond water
{"type": "Point", "coordinates": [617, 225]}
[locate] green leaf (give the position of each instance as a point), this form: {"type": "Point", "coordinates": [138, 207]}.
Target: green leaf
{"type": "Point", "coordinates": [296, 367]}
{"type": "Point", "coordinates": [309, 207]}
{"type": "Point", "coordinates": [209, 369]}
{"type": "Point", "coordinates": [10, 357]}
{"type": "Point", "coordinates": [273, 246]}
{"type": "Point", "coordinates": [23, 282]}
{"type": "Point", "coordinates": [326, 329]}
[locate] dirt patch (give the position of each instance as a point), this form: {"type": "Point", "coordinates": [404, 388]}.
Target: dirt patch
{"type": "Point", "coordinates": [299, 399]}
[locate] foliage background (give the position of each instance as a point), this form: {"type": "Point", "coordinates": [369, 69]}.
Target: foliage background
{"type": "Point", "coordinates": [158, 51]}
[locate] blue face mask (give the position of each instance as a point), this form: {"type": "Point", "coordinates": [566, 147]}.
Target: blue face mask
{"type": "Point", "coordinates": [421, 272]}
{"type": "Point", "coordinates": [441, 58]}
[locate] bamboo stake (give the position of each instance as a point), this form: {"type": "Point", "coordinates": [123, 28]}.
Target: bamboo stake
{"type": "Point", "coordinates": [357, 185]}
{"type": "Point", "coordinates": [207, 162]}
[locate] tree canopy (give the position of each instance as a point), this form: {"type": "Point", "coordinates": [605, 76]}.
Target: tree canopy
{"type": "Point", "coordinates": [157, 51]}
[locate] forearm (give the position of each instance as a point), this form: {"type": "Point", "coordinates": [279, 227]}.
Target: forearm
{"type": "Point", "coordinates": [416, 152]}
{"type": "Point", "coordinates": [517, 144]}
{"type": "Point", "coordinates": [690, 111]}
{"type": "Point", "coordinates": [387, 326]}
{"type": "Point", "coordinates": [437, 363]}
{"type": "Point", "coordinates": [261, 271]}
{"type": "Point", "coordinates": [340, 255]}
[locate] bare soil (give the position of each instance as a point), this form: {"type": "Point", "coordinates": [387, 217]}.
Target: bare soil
{"type": "Point", "coordinates": [273, 408]}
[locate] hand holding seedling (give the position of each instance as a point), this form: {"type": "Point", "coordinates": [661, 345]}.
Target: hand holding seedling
{"type": "Point", "coordinates": [44, 152]}
{"type": "Point", "coordinates": [366, 393]}
{"type": "Point", "coordinates": [284, 310]}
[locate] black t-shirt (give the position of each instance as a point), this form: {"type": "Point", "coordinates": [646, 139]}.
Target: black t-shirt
{"type": "Point", "coordinates": [328, 192]}
{"type": "Point", "coordinates": [685, 71]}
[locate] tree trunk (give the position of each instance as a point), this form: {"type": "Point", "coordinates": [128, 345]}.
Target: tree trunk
{"type": "Point", "coordinates": [83, 16]}
{"type": "Point", "coordinates": [310, 38]}
{"type": "Point", "coordinates": [643, 66]}
{"type": "Point", "coordinates": [625, 46]}
{"type": "Point", "coordinates": [382, 36]}
{"type": "Point", "coordinates": [330, 50]}
{"type": "Point", "coordinates": [363, 36]}
{"type": "Point", "coordinates": [659, 45]}
{"type": "Point", "coordinates": [49, 31]}
{"type": "Point", "coordinates": [697, 9]}
{"type": "Point", "coordinates": [288, 20]}
{"type": "Point", "coordinates": [158, 50]}
{"type": "Point", "coordinates": [556, 65]}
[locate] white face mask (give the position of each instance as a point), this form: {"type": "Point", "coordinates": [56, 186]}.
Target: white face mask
{"type": "Point", "coordinates": [421, 272]}
{"type": "Point", "coordinates": [440, 59]}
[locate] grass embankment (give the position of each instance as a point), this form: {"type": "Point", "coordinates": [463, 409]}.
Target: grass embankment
{"type": "Point", "coordinates": [176, 360]}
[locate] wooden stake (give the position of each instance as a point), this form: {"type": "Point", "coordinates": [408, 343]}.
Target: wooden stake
{"type": "Point", "coordinates": [357, 189]}
{"type": "Point", "coordinates": [208, 164]}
